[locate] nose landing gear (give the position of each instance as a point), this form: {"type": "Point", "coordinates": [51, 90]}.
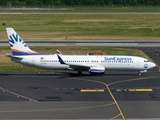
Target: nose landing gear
{"type": "Point", "coordinates": [140, 72]}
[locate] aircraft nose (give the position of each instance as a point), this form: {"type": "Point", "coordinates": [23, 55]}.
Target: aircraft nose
{"type": "Point", "coordinates": [151, 65]}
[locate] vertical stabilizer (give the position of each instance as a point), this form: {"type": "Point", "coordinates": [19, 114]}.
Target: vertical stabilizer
{"type": "Point", "coordinates": [17, 45]}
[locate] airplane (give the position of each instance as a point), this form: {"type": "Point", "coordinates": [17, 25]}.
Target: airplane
{"type": "Point", "coordinates": [22, 54]}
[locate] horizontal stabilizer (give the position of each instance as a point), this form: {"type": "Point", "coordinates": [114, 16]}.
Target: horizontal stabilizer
{"type": "Point", "coordinates": [11, 56]}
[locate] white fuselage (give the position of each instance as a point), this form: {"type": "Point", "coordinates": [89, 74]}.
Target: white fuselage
{"type": "Point", "coordinates": [51, 62]}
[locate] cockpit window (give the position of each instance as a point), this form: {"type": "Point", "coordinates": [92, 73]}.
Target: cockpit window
{"type": "Point", "coordinates": [146, 60]}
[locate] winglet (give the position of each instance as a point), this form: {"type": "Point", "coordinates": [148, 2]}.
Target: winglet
{"type": "Point", "coordinates": [58, 52]}
{"type": "Point", "coordinates": [60, 59]}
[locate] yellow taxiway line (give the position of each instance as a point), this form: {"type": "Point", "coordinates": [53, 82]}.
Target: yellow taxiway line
{"type": "Point", "coordinates": [107, 86]}
{"type": "Point", "coordinates": [91, 90]}
{"type": "Point", "coordinates": [140, 90]}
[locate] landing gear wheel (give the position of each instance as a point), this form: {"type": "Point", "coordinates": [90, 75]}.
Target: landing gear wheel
{"type": "Point", "coordinates": [79, 73]}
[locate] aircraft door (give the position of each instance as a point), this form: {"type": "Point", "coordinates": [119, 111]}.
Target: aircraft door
{"type": "Point", "coordinates": [33, 61]}
{"type": "Point", "coordinates": [137, 62]}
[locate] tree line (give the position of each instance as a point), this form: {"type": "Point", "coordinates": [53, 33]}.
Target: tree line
{"type": "Point", "coordinates": [78, 2]}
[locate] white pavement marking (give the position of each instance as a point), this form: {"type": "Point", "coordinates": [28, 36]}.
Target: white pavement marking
{"type": "Point", "coordinates": [18, 95]}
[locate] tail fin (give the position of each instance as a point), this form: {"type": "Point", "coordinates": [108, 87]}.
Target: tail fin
{"type": "Point", "coordinates": [17, 45]}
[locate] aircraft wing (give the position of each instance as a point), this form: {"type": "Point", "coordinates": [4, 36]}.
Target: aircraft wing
{"type": "Point", "coordinates": [74, 66]}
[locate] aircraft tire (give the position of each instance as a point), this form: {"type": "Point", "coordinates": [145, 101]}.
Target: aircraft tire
{"type": "Point", "coordinates": [80, 73]}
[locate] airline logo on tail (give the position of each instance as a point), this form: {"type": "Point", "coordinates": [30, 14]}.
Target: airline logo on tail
{"type": "Point", "coordinates": [14, 39]}
{"type": "Point", "coordinates": [17, 45]}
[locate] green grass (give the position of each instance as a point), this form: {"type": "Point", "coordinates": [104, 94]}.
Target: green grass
{"type": "Point", "coordinates": [80, 27]}
{"type": "Point", "coordinates": [87, 9]}
{"type": "Point", "coordinates": [6, 65]}
{"type": "Point", "coordinates": [117, 9]}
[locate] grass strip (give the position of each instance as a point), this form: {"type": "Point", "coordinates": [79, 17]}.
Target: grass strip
{"type": "Point", "coordinates": [110, 8]}
{"type": "Point", "coordinates": [82, 27]}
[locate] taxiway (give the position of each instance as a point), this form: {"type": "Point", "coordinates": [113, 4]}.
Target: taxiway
{"type": "Point", "coordinates": [60, 95]}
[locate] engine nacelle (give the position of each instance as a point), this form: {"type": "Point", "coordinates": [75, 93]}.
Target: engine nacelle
{"type": "Point", "coordinates": [143, 71]}
{"type": "Point", "coordinates": [97, 70]}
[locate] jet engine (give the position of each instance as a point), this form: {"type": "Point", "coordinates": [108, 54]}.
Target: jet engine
{"type": "Point", "coordinates": [97, 70]}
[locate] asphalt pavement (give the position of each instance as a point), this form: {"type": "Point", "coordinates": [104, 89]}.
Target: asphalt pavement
{"type": "Point", "coordinates": [69, 96]}
{"type": "Point", "coordinates": [90, 43]}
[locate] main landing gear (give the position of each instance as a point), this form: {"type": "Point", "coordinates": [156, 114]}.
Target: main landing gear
{"type": "Point", "coordinates": [80, 73]}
